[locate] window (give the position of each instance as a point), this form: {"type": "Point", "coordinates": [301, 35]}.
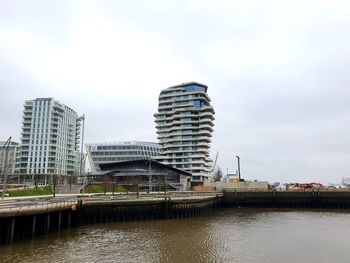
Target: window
{"type": "Point", "coordinates": [198, 104]}
{"type": "Point", "coordinates": [192, 88]}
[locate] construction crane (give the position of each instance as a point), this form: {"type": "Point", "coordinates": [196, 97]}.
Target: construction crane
{"type": "Point", "coordinates": [216, 159]}
{"type": "Point", "coordinates": [214, 165]}
{"type": "Point", "coordinates": [5, 166]}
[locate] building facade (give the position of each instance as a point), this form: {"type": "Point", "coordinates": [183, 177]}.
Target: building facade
{"type": "Point", "coordinates": [147, 174]}
{"type": "Point", "coordinates": [101, 153]}
{"type": "Point", "coordinates": [8, 157]}
{"type": "Point", "coordinates": [50, 139]}
{"type": "Point", "coordinates": [184, 124]}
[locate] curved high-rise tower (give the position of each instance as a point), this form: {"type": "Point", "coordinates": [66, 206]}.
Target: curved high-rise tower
{"type": "Point", "coordinates": [184, 123]}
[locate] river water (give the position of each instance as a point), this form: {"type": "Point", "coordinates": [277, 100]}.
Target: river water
{"type": "Point", "coordinates": [228, 235]}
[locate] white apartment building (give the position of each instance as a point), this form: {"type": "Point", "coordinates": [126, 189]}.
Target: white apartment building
{"type": "Point", "coordinates": [108, 152]}
{"type": "Point", "coordinates": [184, 123]}
{"type": "Point", "coordinates": [50, 139]}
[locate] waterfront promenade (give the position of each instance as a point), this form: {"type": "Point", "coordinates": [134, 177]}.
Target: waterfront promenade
{"type": "Point", "coordinates": [32, 204]}
{"type": "Point", "coordinates": [24, 218]}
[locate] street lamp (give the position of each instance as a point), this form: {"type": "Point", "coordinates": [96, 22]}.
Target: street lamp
{"type": "Point", "coordinates": [239, 168]}
{"type": "Point", "coordinates": [150, 176]}
{"type": "Point", "coordinates": [84, 173]}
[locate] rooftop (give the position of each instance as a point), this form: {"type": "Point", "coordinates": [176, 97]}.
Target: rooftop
{"type": "Point", "coordinates": [189, 84]}
{"type": "Point", "coordinates": [123, 143]}
{"type": "Point", "coordinates": [116, 165]}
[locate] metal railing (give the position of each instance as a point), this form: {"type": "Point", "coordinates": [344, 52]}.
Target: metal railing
{"type": "Point", "coordinates": [20, 205]}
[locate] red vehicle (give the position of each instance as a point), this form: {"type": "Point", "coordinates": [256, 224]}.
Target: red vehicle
{"type": "Point", "coordinates": [311, 186]}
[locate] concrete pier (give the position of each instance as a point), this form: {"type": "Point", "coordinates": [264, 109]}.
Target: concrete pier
{"type": "Point", "coordinates": [31, 220]}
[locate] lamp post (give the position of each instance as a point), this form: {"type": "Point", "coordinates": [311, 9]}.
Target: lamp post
{"type": "Point", "coordinates": [239, 168]}
{"type": "Point", "coordinates": [54, 185]}
{"type": "Point", "coordinates": [150, 176]}
{"type": "Point", "coordinates": [84, 174]}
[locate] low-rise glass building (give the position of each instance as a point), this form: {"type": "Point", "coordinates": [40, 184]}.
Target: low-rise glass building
{"type": "Point", "coordinates": [108, 152]}
{"type": "Point", "coordinates": [146, 174]}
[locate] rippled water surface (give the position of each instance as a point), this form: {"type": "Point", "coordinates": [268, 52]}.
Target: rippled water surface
{"type": "Point", "coordinates": [228, 235]}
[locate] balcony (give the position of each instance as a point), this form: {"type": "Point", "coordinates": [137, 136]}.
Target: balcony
{"type": "Point", "coordinates": [27, 122]}
{"type": "Point", "coordinates": [28, 110]}
{"type": "Point", "coordinates": [58, 107]}
{"type": "Point", "coordinates": [25, 132]}
{"type": "Point", "coordinates": [54, 133]}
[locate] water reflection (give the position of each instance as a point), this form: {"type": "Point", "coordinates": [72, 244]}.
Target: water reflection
{"type": "Point", "coordinates": [228, 236]}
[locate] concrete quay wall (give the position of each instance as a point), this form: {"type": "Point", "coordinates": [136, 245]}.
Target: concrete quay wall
{"type": "Point", "coordinates": [325, 199]}
{"type": "Point", "coordinates": [245, 185]}
{"type": "Point", "coordinates": [17, 225]}
{"type": "Point", "coordinates": [132, 210]}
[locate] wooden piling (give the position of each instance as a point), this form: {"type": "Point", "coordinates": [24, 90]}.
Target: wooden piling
{"type": "Point", "coordinates": [33, 226]}
{"type": "Point", "coordinates": [12, 229]}
{"type": "Point", "coordinates": [59, 221]}
{"type": "Point", "coordinates": [47, 223]}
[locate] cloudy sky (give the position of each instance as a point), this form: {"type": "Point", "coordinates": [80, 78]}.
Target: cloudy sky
{"type": "Point", "coordinates": [278, 74]}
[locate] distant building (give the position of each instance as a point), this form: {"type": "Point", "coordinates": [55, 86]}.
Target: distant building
{"type": "Point", "coordinates": [147, 174]}
{"type": "Point", "coordinates": [184, 123]}
{"type": "Point", "coordinates": [10, 163]}
{"type": "Point", "coordinates": [346, 182]}
{"type": "Point", "coordinates": [231, 177]}
{"type": "Point", "coordinates": [100, 153]}
{"type": "Point", "coordinates": [50, 139]}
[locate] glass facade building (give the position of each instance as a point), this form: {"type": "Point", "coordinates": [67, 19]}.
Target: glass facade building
{"type": "Point", "coordinates": [184, 124]}
{"type": "Point", "coordinates": [50, 139]}
{"type": "Point", "coordinates": [109, 152]}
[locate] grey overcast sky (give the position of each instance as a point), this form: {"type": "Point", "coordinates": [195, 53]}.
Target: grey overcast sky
{"type": "Point", "coordinates": [277, 72]}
